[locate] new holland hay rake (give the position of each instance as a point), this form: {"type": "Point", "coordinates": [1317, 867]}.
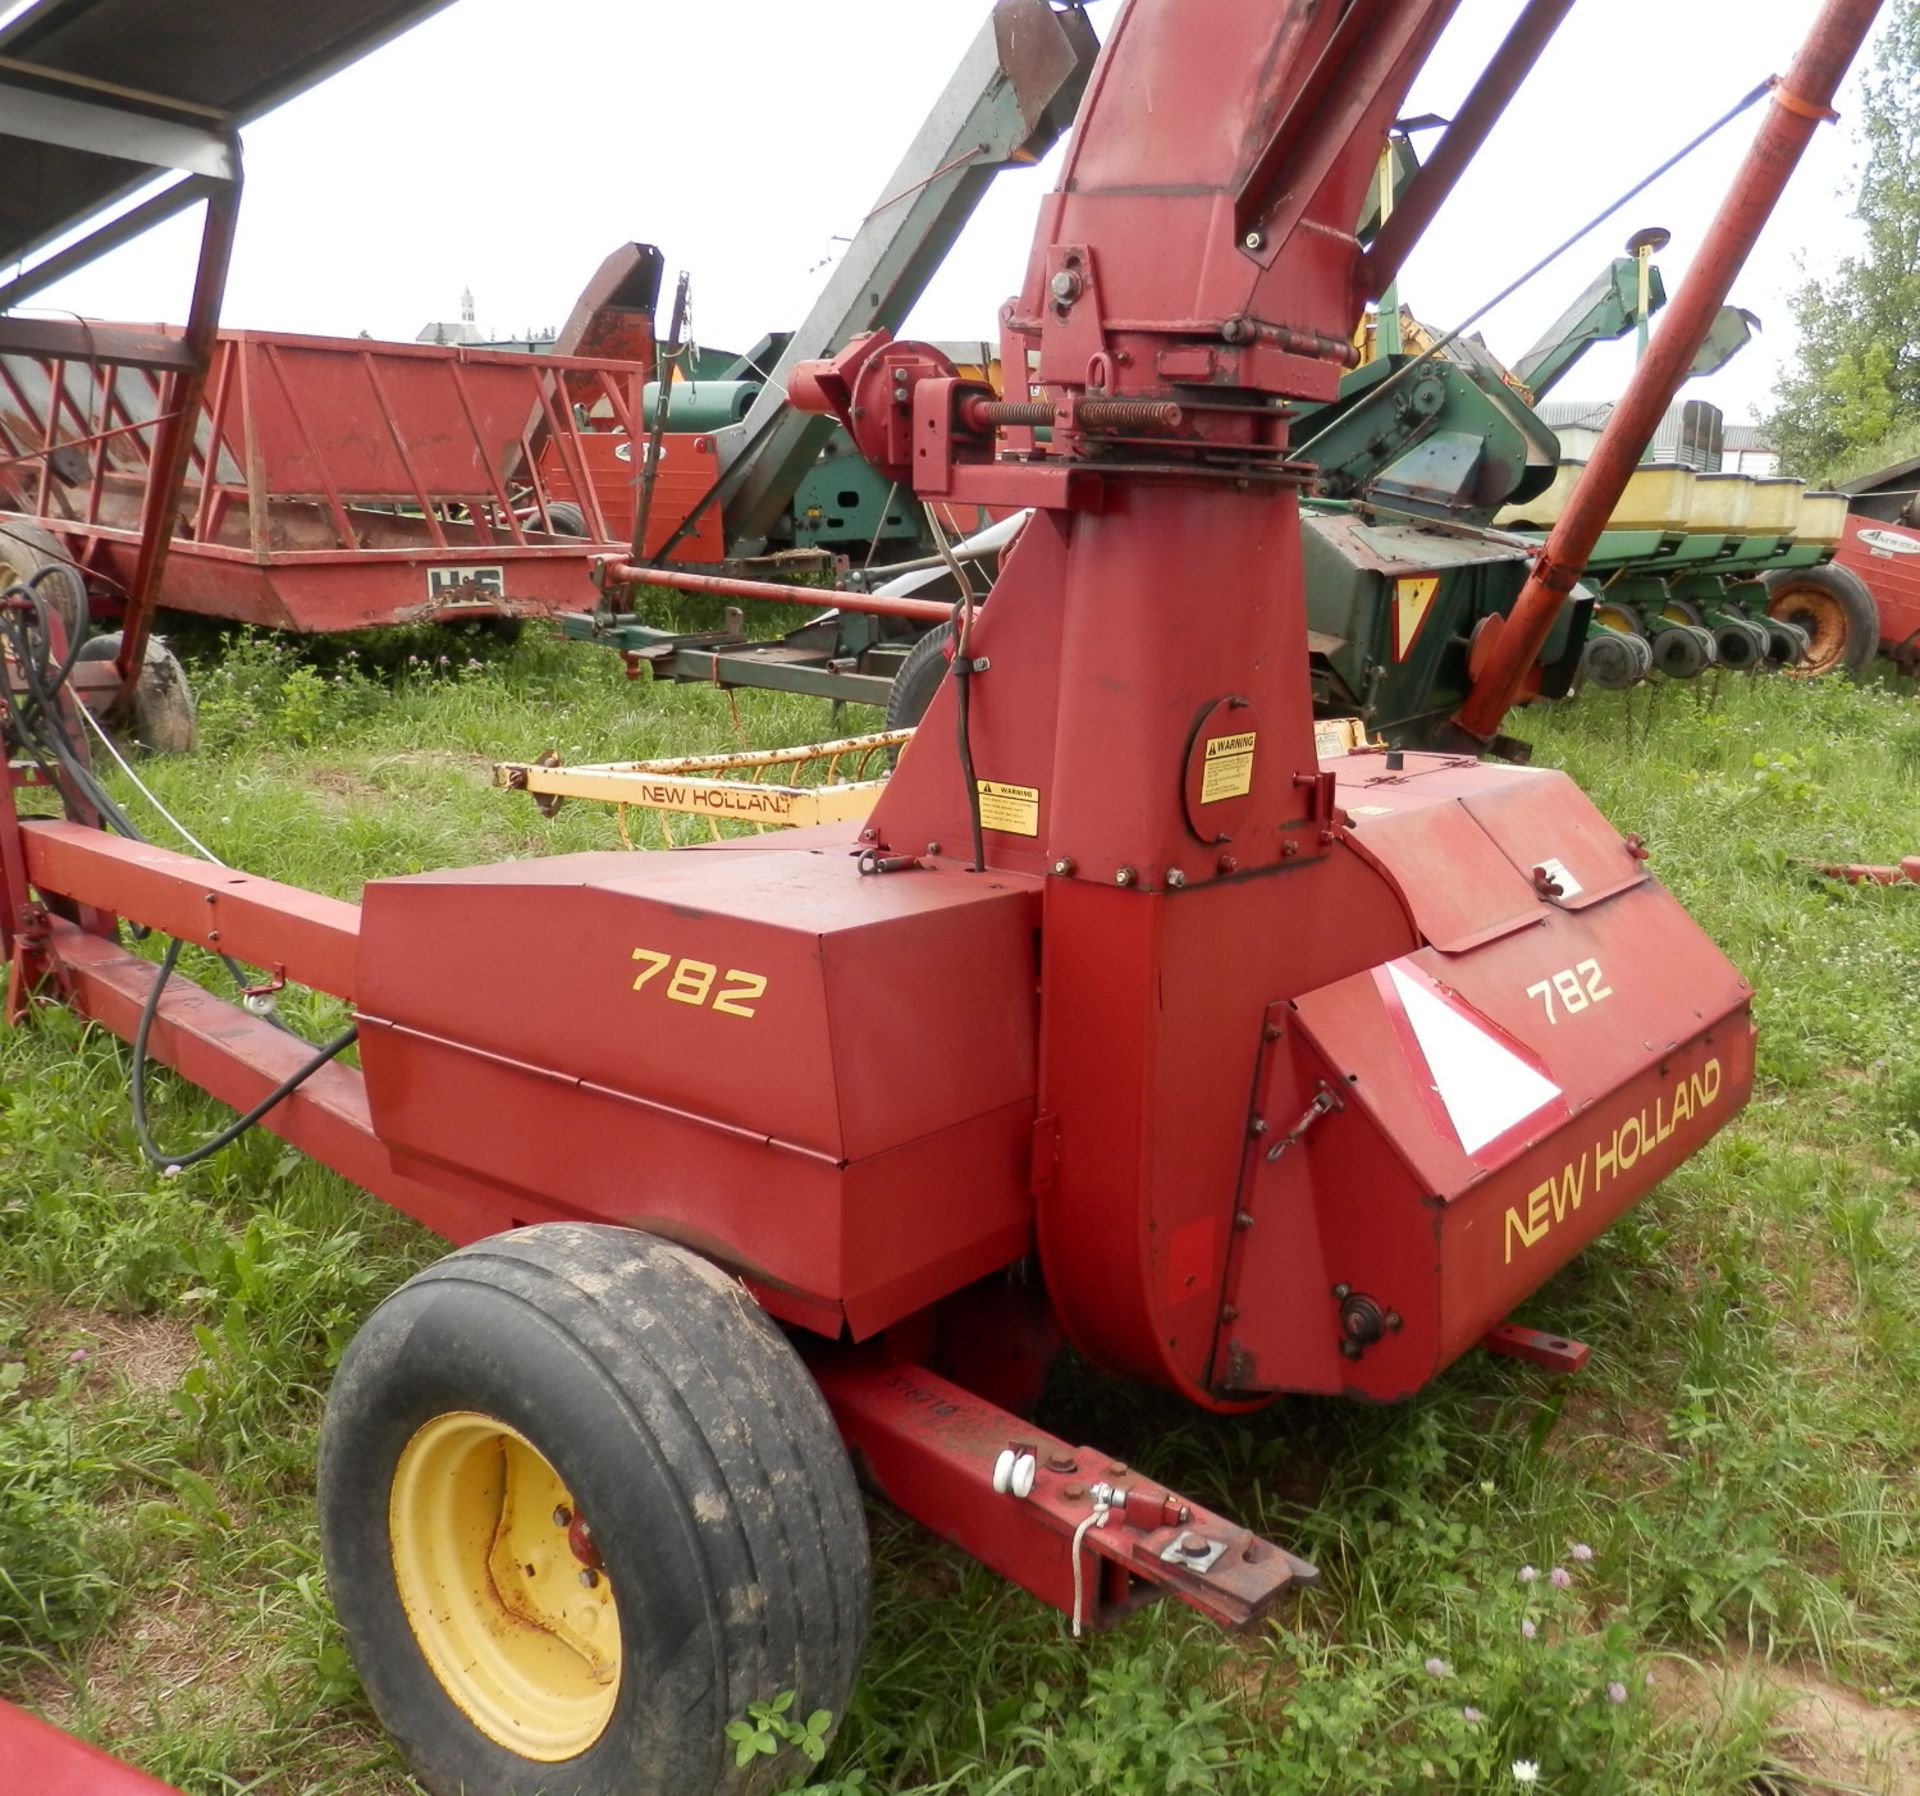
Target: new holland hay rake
{"type": "Point", "coordinates": [752, 788]}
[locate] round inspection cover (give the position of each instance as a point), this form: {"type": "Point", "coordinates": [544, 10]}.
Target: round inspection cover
{"type": "Point", "coordinates": [1220, 761]}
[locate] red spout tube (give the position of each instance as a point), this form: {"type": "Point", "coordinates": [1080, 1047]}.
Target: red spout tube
{"type": "Point", "coordinates": [1800, 103]}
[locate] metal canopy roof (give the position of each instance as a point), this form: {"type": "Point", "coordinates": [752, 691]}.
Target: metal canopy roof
{"type": "Point", "coordinates": [97, 96]}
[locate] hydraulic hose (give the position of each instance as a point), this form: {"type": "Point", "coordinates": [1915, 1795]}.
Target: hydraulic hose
{"type": "Point", "coordinates": [172, 1162]}
{"type": "Point", "coordinates": [963, 672]}
{"type": "Point", "coordinates": [36, 723]}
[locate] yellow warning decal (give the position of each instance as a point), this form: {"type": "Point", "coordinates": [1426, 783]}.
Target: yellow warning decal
{"type": "Point", "coordinates": [1336, 736]}
{"type": "Point", "coordinates": [1412, 598]}
{"type": "Point", "coordinates": [1013, 810]}
{"type": "Point", "coordinates": [1229, 767]}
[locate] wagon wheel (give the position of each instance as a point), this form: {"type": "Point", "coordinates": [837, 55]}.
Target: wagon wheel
{"type": "Point", "coordinates": [166, 720]}
{"type": "Point", "coordinates": [581, 1504]}
{"type": "Point", "coordinates": [1834, 607]}
{"type": "Point", "coordinates": [921, 672]}
{"type": "Point", "coordinates": [24, 550]}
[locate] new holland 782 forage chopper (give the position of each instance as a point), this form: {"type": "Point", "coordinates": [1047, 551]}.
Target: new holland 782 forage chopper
{"type": "Point", "coordinates": [1121, 1021]}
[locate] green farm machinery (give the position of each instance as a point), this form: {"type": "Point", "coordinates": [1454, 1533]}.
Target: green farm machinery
{"type": "Point", "coordinates": [1437, 482]}
{"type": "Point", "coordinates": [1686, 573]}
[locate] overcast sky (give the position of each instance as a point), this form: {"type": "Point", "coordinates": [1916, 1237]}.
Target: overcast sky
{"type": "Point", "coordinates": [507, 147]}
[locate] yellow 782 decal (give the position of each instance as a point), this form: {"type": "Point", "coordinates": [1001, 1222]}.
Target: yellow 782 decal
{"type": "Point", "coordinates": [692, 982]}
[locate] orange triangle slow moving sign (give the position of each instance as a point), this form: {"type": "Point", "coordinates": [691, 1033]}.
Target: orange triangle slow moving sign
{"type": "Point", "coordinates": [1412, 600]}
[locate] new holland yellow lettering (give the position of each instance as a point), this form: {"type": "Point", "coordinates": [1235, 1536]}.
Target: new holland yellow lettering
{"type": "Point", "coordinates": [1533, 1225]}
{"type": "Point", "coordinates": [1551, 1201]}
{"type": "Point", "coordinates": [1627, 1160]}
{"type": "Point", "coordinates": [1568, 1188]}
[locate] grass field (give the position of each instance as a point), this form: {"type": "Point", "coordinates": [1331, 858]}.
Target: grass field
{"type": "Point", "coordinates": [1730, 1489]}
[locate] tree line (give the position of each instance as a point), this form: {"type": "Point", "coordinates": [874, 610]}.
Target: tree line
{"type": "Point", "coordinates": [1850, 401]}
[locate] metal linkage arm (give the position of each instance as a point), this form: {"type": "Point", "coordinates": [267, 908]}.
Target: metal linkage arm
{"type": "Point", "coordinates": [1030, 1505]}
{"type": "Point", "coordinates": [1608, 309]}
{"type": "Point", "coordinates": [311, 940]}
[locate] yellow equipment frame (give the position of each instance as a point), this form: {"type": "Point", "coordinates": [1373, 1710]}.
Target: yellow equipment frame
{"type": "Point", "coordinates": [730, 788]}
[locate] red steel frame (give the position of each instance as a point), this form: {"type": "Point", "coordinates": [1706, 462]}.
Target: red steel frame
{"type": "Point", "coordinates": [326, 483]}
{"type": "Point", "coordinates": [1246, 1076]}
{"type": "Point", "coordinates": [176, 365]}
{"type": "Point", "coordinates": [63, 1766]}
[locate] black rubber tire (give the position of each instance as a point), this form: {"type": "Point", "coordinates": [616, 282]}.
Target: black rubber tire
{"type": "Point", "coordinates": [166, 720]}
{"type": "Point", "coordinates": [1847, 593]}
{"type": "Point", "coordinates": [567, 518]}
{"type": "Point", "coordinates": [925, 666]}
{"type": "Point", "coordinates": [688, 1431]}
{"type": "Point", "coordinates": [25, 549]}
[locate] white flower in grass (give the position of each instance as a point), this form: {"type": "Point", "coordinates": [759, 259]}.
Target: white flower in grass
{"type": "Point", "coordinates": [1438, 1668]}
{"type": "Point", "coordinates": [1580, 1551]}
{"type": "Point", "coordinates": [1528, 1573]}
{"type": "Point", "coordinates": [1525, 1771]}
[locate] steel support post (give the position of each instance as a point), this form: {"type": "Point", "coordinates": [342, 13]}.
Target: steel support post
{"type": "Point", "coordinates": [1427, 192]}
{"type": "Point", "coordinates": [179, 414]}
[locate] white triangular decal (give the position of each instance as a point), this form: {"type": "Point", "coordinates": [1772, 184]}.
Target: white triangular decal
{"type": "Point", "coordinates": [1486, 1087]}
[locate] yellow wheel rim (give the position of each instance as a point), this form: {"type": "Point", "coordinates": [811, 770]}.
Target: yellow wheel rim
{"type": "Point", "coordinates": [1616, 619]}
{"type": "Point", "coordinates": [522, 1634]}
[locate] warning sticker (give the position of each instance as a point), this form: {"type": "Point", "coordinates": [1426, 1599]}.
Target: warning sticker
{"type": "Point", "coordinates": [1229, 767]}
{"type": "Point", "coordinates": [1013, 810]}
{"type": "Point", "coordinates": [1337, 736]}
{"type": "Point", "coordinates": [1412, 599]}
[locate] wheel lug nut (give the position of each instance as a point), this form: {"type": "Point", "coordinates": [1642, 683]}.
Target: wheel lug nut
{"type": "Point", "coordinates": [589, 1577]}
{"type": "Point", "coordinates": [563, 1517]}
